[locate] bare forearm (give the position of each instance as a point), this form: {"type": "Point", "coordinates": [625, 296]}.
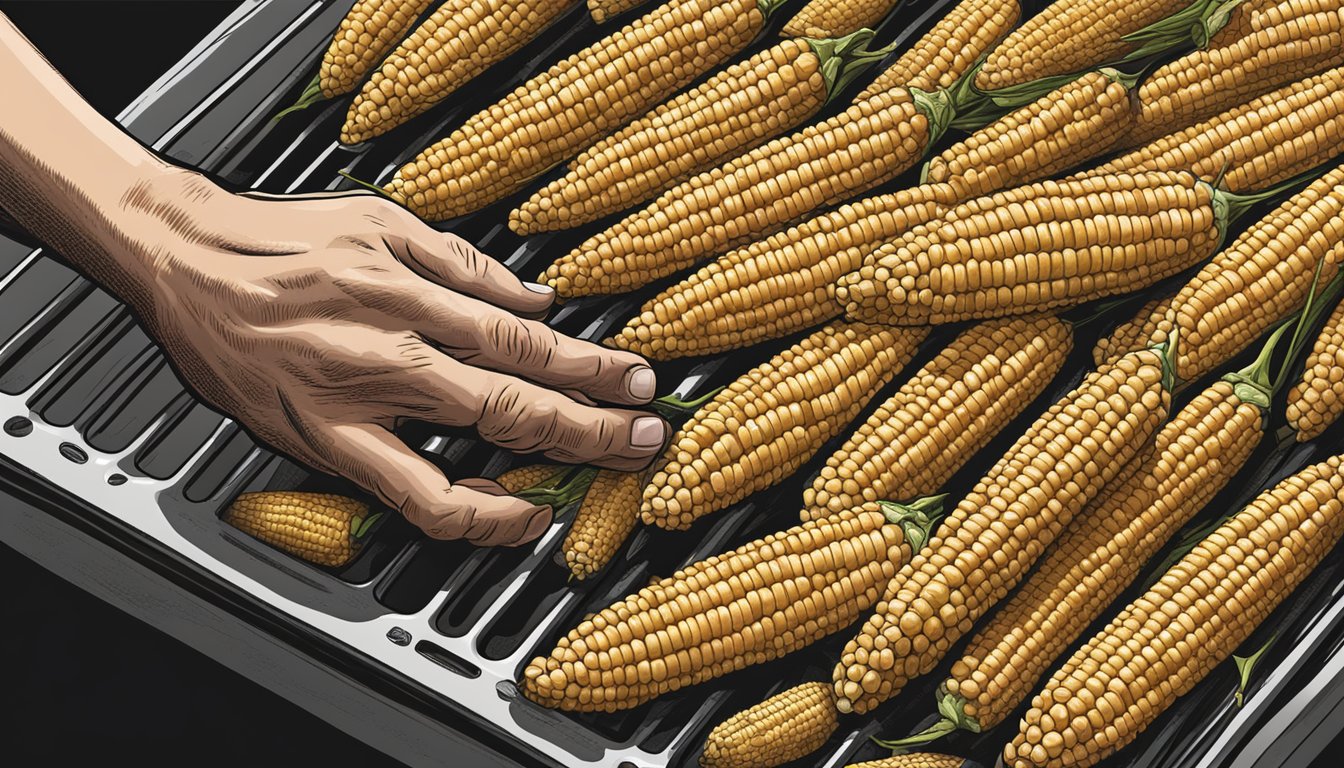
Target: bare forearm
{"type": "Point", "coordinates": [68, 175]}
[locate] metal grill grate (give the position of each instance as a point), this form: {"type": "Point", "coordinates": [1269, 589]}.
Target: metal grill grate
{"type": "Point", "coordinates": [449, 627]}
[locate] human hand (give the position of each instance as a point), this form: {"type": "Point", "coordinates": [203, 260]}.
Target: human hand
{"type": "Point", "coordinates": [321, 322]}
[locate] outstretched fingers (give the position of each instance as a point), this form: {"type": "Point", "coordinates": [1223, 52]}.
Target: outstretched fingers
{"type": "Point", "coordinates": [526, 418]}
{"type": "Point", "coordinates": [374, 458]}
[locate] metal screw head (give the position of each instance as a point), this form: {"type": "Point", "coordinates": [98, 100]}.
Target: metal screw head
{"type": "Point", "coordinates": [507, 690]}
{"type": "Point", "coordinates": [19, 426]}
{"type": "Point", "coordinates": [399, 636]}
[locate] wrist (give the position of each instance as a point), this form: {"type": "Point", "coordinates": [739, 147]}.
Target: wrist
{"type": "Point", "coordinates": [153, 226]}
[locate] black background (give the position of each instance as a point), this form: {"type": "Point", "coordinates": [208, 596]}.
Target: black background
{"type": "Point", "coordinates": [82, 678]}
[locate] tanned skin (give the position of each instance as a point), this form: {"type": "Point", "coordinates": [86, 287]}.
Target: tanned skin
{"type": "Point", "coordinates": [320, 322]}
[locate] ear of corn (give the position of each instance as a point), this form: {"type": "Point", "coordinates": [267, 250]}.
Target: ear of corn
{"type": "Point", "coordinates": [608, 513]}
{"type": "Point", "coordinates": [1297, 39]}
{"type": "Point", "coordinates": [602, 10]}
{"type": "Point", "coordinates": [783, 728]}
{"type": "Point", "coordinates": [456, 43]}
{"type": "Point", "coordinates": [553, 116]}
{"type": "Point", "coordinates": [1316, 402]}
{"type": "Point", "coordinates": [1063, 129]}
{"type": "Point", "coordinates": [1255, 145]}
{"type": "Point", "coordinates": [732, 112]}
{"type": "Point", "coordinates": [1190, 621]}
{"type": "Point", "coordinates": [367, 32]}
{"type": "Point", "coordinates": [1101, 552]}
{"type": "Point", "coordinates": [986, 546]}
{"type": "Point", "coordinates": [755, 194]}
{"type": "Point", "coordinates": [770, 421]}
{"type": "Point", "coordinates": [1070, 36]}
{"type": "Point", "coordinates": [1150, 325]}
{"type": "Point", "coordinates": [776, 286]}
{"type": "Point", "coordinates": [529, 476]}
{"type": "Point", "coordinates": [1263, 277]}
{"type": "Point", "coordinates": [942, 416]}
{"type": "Point", "coordinates": [913, 760]}
{"type": "Point", "coordinates": [949, 49]}
{"type": "Point", "coordinates": [835, 18]}
{"type": "Point", "coordinates": [760, 601]}
{"type": "Point", "coordinates": [321, 528]}
{"type": "Point", "coordinates": [1047, 245]}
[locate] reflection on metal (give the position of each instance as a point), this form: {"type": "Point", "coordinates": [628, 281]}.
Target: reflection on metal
{"type": "Point", "coordinates": [414, 647]}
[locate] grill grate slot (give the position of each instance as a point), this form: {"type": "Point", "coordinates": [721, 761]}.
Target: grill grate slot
{"type": "Point", "coordinates": [31, 291]}
{"type": "Point", "coordinates": [178, 439]}
{"type": "Point", "coordinates": [135, 408]}
{"type": "Point", "coordinates": [64, 335]}
{"type": "Point", "coordinates": [102, 373]}
{"type": "Point", "coordinates": [215, 470]}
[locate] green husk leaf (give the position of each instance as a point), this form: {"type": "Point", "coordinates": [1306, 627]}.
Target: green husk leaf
{"type": "Point", "coordinates": [1245, 666]}
{"type": "Point", "coordinates": [845, 58]}
{"type": "Point", "coordinates": [312, 93]}
{"type": "Point", "coordinates": [361, 526]}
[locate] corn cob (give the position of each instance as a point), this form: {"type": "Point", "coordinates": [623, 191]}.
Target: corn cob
{"type": "Point", "coordinates": [755, 194]}
{"type": "Point", "coordinates": [602, 523]}
{"type": "Point", "coordinates": [1264, 276]}
{"type": "Point", "coordinates": [987, 545]}
{"type": "Point", "coordinates": [913, 760]}
{"type": "Point", "coordinates": [1047, 245]}
{"type": "Point", "coordinates": [367, 32]}
{"type": "Point", "coordinates": [557, 113]}
{"type": "Point", "coordinates": [529, 476]}
{"type": "Point", "coordinates": [948, 50]}
{"type": "Point", "coordinates": [1171, 637]}
{"type": "Point", "coordinates": [1069, 36]}
{"type": "Point", "coordinates": [756, 603]}
{"type": "Point", "coordinates": [780, 729]}
{"type": "Point", "coordinates": [1150, 325]}
{"type": "Point", "coordinates": [732, 112]}
{"type": "Point", "coordinates": [1068, 126]}
{"type": "Point", "coordinates": [1254, 145]}
{"type": "Point", "coordinates": [602, 10]}
{"type": "Point", "coordinates": [776, 286]}
{"type": "Point", "coordinates": [943, 415]}
{"type": "Point", "coordinates": [770, 421]}
{"type": "Point", "coordinates": [456, 43]}
{"type": "Point", "coordinates": [322, 528]}
{"type": "Point", "coordinates": [1317, 401]}
{"type": "Point", "coordinates": [1297, 39]}
{"type": "Point", "coordinates": [1196, 454]}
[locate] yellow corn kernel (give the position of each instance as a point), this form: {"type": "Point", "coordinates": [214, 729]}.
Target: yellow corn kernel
{"type": "Point", "coordinates": [456, 43]}
{"type": "Point", "coordinates": [756, 603]}
{"type": "Point", "coordinates": [1191, 620]}
{"type": "Point", "coordinates": [559, 112]}
{"type": "Point", "coordinates": [783, 728]}
{"type": "Point", "coordinates": [1039, 247]}
{"type": "Point", "coordinates": [1069, 36]}
{"type": "Point", "coordinates": [987, 545]}
{"type": "Point", "coordinates": [776, 286]}
{"type": "Point", "coordinates": [321, 528]}
{"type": "Point", "coordinates": [603, 521]}
{"type": "Point", "coordinates": [367, 32]}
{"type": "Point", "coordinates": [772, 419]}
{"type": "Point", "coordinates": [942, 416]}
{"type": "Point", "coordinates": [752, 195]}
{"type": "Point", "coordinates": [949, 49]}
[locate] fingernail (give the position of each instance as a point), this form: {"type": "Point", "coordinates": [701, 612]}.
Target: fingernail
{"type": "Point", "coordinates": [541, 288]}
{"type": "Point", "coordinates": [538, 523]}
{"type": "Point", "coordinates": [641, 383]}
{"type": "Point", "coordinates": [646, 432]}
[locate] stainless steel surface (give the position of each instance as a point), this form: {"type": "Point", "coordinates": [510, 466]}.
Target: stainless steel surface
{"type": "Point", "coordinates": [119, 480]}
